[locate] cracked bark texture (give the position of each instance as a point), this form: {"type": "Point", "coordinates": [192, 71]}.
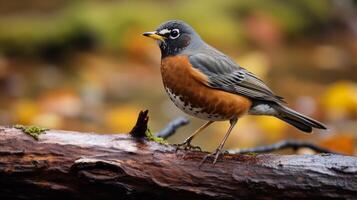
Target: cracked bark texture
{"type": "Point", "coordinates": [73, 165]}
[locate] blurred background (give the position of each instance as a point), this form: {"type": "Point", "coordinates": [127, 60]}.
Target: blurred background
{"type": "Point", "coordinates": [83, 65]}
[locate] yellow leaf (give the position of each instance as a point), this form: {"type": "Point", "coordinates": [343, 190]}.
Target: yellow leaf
{"type": "Point", "coordinates": [274, 128]}
{"type": "Point", "coordinates": [24, 111]}
{"type": "Point", "coordinates": [340, 100]}
{"type": "Point", "coordinates": [122, 119]}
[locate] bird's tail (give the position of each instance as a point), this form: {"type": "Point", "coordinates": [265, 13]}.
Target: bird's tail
{"type": "Point", "coordinates": [296, 119]}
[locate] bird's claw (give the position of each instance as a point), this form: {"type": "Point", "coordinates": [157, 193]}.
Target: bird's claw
{"type": "Point", "coordinates": [214, 155]}
{"type": "Point", "coordinates": [187, 146]}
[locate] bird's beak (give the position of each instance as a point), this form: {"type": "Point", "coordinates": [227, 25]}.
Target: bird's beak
{"type": "Point", "coordinates": [154, 35]}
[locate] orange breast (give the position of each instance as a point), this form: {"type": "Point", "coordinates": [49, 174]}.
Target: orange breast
{"type": "Point", "coordinates": [187, 88]}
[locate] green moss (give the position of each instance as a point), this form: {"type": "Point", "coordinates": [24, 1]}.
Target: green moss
{"type": "Point", "coordinates": [152, 137]}
{"type": "Point", "coordinates": [251, 154]}
{"type": "Point", "coordinates": [33, 131]}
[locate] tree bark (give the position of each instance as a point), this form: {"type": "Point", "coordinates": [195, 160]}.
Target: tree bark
{"type": "Point", "coordinates": [73, 165]}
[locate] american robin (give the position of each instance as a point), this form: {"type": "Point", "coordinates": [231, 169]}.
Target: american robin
{"type": "Point", "coordinates": [205, 83]}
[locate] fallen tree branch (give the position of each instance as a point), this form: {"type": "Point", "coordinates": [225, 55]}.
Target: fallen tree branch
{"type": "Point", "coordinates": [285, 144]}
{"type": "Point", "coordinates": [73, 165]}
{"type": "Point", "coordinates": [90, 166]}
{"type": "Point", "coordinates": [172, 127]}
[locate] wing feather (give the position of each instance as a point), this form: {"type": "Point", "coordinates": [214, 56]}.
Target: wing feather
{"type": "Point", "coordinates": [224, 74]}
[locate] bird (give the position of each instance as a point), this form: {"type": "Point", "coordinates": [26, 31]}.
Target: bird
{"type": "Point", "coordinates": [207, 84]}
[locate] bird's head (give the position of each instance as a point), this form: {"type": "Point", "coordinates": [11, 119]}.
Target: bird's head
{"type": "Point", "coordinates": [174, 37]}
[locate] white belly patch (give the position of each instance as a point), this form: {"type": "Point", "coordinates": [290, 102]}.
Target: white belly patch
{"type": "Point", "coordinates": [193, 111]}
{"type": "Point", "coordinates": [262, 109]}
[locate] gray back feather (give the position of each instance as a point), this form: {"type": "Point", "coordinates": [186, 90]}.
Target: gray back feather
{"type": "Point", "coordinates": [224, 74]}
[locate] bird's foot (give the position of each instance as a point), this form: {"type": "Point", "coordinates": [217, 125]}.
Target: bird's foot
{"type": "Point", "coordinates": [214, 155]}
{"type": "Point", "coordinates": [187, 146]}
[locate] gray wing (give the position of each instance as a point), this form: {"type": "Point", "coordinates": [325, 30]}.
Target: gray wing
{"type": "Point", "coordinates": [225, 75]}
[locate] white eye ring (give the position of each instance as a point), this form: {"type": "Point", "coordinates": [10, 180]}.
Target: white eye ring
{"type": "Point", "coordinates": [174, 36]}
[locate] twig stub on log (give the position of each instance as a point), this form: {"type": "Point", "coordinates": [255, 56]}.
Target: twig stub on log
{"type": "Point", "coordinates": [139, 130]}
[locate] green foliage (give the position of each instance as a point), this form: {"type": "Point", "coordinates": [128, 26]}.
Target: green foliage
{"type": "Point", "coordinates": [251, 154]}
{"type": "Point", "coordinates": [111, 21]}
{"type": "Point", "coordinates": [33, 131]}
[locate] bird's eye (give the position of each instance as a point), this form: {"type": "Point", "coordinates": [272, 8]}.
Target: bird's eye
{"type": "Point", "coordinates": [175, 33]}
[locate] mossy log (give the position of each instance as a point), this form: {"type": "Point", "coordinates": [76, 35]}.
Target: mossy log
{"type": "Point", "coordinates": [74, 165]}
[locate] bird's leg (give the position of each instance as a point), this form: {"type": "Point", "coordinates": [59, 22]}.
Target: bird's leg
{"type": "Point", "coordinates": [218, 151]}
{"type": "Point", "coordinates": [186, 145]}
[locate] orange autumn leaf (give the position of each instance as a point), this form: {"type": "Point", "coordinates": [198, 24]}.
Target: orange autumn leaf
{"type": "Point", "coordinates": [342, 143]}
